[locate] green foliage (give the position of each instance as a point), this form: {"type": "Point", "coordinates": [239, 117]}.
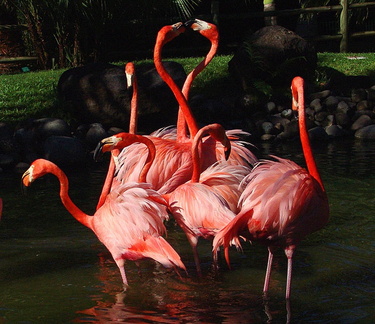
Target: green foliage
{"type": "Point", "coordinates": [33, 94]}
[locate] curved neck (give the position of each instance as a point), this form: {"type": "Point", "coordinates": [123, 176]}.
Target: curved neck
{"type": "Point", "coordinates": [181, 124]}
{"type": "Point", "coordinates": [160, 42]}
{"type": "Point", "coordinates": [217, 132]}
{"type": "Point", "coordinates": [78, 214]}
{"type": "Point", "coordinates": [128, 139]}
{"type": "Point", "coordinates": [298, 92]}
{"type": "Point", "coordinates": [150, 157]}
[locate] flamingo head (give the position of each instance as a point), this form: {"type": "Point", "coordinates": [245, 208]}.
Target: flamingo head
{"type": "Point", "coordinates": [129, 73]}
{"type": "Point", "coordinates": [169, 32]}
{"type": "Point", "coordinates": [37, 169]}
{"type": "Point", "coordinates": [206, 29]}
{"type": "Point", "coordinates": [118, 141]}
{"type": "Point", "coordinates": [218, 133]}
{"type": "Point", "coordinates": [297, 91]}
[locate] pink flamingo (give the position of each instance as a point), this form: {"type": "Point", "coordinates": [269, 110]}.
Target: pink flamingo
{"type": "Point", "coordinates": [129, 223]}
{"type": "Point", "coordinates": [281, 203]}
{"type": "Point", "coordinates": [1, 207]}
{"type": "Point", "coordinates": [199, 209]}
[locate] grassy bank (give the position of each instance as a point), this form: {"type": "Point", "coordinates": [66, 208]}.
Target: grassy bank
{"type": "Point", "coordinates": [33, 94]}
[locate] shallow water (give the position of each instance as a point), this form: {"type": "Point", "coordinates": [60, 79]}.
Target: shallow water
{"type": "Point", "coordinates": [54, 270]}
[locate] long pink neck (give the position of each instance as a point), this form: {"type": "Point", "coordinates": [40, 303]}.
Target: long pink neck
{"type": "Point", "coordinates": [134, 106]}
{"type": "Point", "coordinates": [298, 92]}
{"type": "Point", "coordinates": [78, 214]}
{"type": "Point", "coordinates": [160, 42]}
{"type": "Point", "coordinates": [150, 157]}
{"type": "Point", "coordinates": [181, 124]}
{"type": "Point", "coordinates": [107, 182]}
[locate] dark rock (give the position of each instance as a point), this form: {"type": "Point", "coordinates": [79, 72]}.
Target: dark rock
{"type": "Point", "coordinates": [94, 135]}
{"type": "Point", "coordinates": [335, 131]}
{"type": "Point", "coordinates": [358, 95]}
{"type": "Point", "coordinates": [269, 50]}
{"type": "Point", "coordinates": [64, 151]}
{"type": "Point", "coordinates": [98, 93]}
{"type": "Point", "coordinates": [318, 134]}
{"type": "Point", "coordinates": [360, 122]}
{"type": "Point", "coordinates": [316, 105]}
{"type": "Point", "coordinates": [366, 133]}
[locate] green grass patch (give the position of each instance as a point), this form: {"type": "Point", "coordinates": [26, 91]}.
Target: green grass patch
{"type": "Point", "coordinates": [33, 94]}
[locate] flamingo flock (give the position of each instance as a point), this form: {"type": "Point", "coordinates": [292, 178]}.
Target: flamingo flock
{"type": "Point", "coordinates": [206, 179]}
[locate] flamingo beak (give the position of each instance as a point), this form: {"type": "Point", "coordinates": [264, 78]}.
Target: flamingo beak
{"type": "Point", "coordinates": [27, 179]}
{"type": "Point", "coordinates": [197, 24]}
{"type": "Point", "coordinates": [105, 145]}
{"type": "Point", "coordinates": [227, 150]}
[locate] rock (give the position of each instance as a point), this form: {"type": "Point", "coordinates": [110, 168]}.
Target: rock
{"type": "Point", "coordinates": [343, 107]}
{"type": "Point", "coordinates": [318, 134]}
{"type": "Point", "coordinates": [287, 113]}
{"type": "Point", "coordinates": [271, 107]}
{"type": "Point", "coordinates": [98, 93]}
{"type": "Point", "coordinates": [360, 122]}
{"type": "Point", "coordinates": [267, 127]}
{"type": "Point", "coordinates": [94, 135]}
{"type": "Point", "coordinates": [366, 133]}
{"type": "Point", "coordinates": [342, 119]}
{"type": "Point", "coordinates": [331, 103]}
{"type": "Point", "coordinates": [363, 105]}
{"type": "Point", "coordinates": [335, 131]}
{"type": "Point", "coordinates": [270, 49]}
{"type": "Point", "coordinates": [316, 105]}
{"type": "Point", "coordinates": [66, 152]}
{"type": "Point", "coordinates": [358, 95]}
{"type": "Point", "coordinates": [320, 95]}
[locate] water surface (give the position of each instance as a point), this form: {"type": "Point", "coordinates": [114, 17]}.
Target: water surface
{"type": "Point", "coordinates": [54, 270]}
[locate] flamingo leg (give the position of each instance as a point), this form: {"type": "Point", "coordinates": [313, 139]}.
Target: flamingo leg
{"type": "Point", "coordinates": [194, 243]}
{"type": "Point", "coordinates": [268, 271]}
{"type": "Point", "coordinates": [289, 254]}
{"type": "Point", "coordinates": [120, 263]}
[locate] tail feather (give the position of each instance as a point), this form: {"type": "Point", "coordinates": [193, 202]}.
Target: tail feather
{"type": "Point", "coordinates": [230, 234]}
{"type": "Point", "coordinates": [160, 250]}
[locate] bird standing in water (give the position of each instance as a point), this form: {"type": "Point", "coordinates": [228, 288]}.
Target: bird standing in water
{"type": "Point", "coordinates": [130, 223]}
{"type": "Point", "coordinates": [281, 202]}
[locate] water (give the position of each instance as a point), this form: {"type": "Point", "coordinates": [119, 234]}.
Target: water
{"type": "Point", "coordinates": [54, 270]}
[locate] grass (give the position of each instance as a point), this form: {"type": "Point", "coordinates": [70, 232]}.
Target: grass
{"type": "Point", "coordinates": [33, 94]}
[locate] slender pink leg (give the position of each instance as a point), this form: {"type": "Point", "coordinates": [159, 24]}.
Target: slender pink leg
{"type": "Point", "coordinates": [289, 254]}
{"type": "Point", "coordinates": [268, 271]}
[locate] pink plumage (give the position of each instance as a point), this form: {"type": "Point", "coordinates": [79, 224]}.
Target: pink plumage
{"type": "Point", "coordinates": [281, 202]}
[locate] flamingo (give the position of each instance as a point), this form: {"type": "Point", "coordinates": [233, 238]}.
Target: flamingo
{"type": "Point", "coordinates": [199, 209]}
{"type": "Point", "coordinates": [281, 203]}
{"type": "Point", "coordinates": [1, 207]}
{"type": "Point", "coordinates": [129, 223]}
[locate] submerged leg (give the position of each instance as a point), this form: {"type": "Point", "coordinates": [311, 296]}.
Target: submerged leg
{"type": "Point", "coordinates": [268, 271]}
{"type": "Point", "coordinates": [289, 254]}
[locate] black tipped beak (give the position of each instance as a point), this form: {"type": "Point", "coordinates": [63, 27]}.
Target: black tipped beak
{"type": "Point", "coordinates": [98, 153]}
{"type": "Point", "coordinates": [227, 151]}
{"type": "Point", "coordinates": [189, 23]}
{"type": "Point", "coordinates": [23, 186]}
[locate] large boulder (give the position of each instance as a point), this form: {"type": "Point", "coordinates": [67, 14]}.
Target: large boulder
{"type": "Point", "coordinates": [98, 93]}
{"type": "Point", "coordinates": [271, 57]}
